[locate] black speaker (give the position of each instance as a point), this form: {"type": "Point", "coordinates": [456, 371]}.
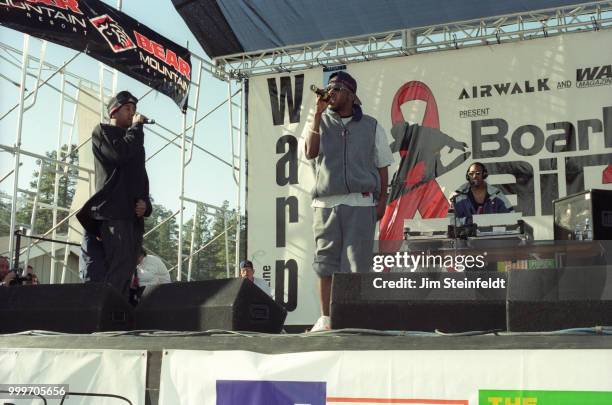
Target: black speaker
{"type": "Point", "coordinates": [553, 299]}
{"type": "Point", "coordinates": [450, 302]}
{"type": "Point", "coordinates": [69, 308]}
{"type": "Point", "coordinates": [228, 304]}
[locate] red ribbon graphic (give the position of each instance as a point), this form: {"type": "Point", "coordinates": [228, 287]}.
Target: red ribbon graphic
{"type": "Point", "coordinates": [428, 198]}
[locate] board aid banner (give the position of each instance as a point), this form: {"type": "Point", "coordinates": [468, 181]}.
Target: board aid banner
{"type": "Point", "coordinates": [434, 377]}
{"type": "Point", "coordinates": [537, 113]}
{"type": "Point", "coordinates": [87, 377]}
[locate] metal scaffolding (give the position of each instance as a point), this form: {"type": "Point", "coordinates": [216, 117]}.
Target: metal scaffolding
{"type": "Point", "coordinates": [486, 31]}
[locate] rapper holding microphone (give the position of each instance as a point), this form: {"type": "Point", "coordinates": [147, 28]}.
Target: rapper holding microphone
{"type": "Point", "coordinates": [350, 155]}
{"type": "Point", "coordinates": [113, 218]}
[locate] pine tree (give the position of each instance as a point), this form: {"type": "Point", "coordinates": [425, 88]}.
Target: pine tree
{"type": "Point", "coordinates": [5, 213]}
{"type": "Point", "coordinates": [223, 219]}
{"type": "Point", "coordinates": [66, 190]}
{"type": "Point", "coordinates": [163, 240]}
{"type": "Point", "coordinates": [210, 262]}
{"type": "Point", "coordinates": [200, 261]}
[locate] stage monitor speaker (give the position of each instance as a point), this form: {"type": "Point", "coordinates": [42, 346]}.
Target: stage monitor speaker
{"type": "Point", "coordinates": [227, 304]}
{"type": "Point", "coordinates": [419, 301]}
{"type": "Point", "coordinates": [68, 308]}
{"type": "Point", "coordinates": [553, 299]}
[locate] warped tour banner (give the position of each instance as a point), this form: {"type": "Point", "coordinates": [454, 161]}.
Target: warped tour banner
{"type": "Point", "coordinates": [537, 113]}
{"type": "Point", "coordinates": [107, 35]}
{"type": "Point", "coordinates": [435, 377]}
{"type": "Point", "coordinates": [89, 377]}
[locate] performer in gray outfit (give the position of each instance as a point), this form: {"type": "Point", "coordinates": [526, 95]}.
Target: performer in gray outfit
{"type": "Point", "coordinates": [351, 155]}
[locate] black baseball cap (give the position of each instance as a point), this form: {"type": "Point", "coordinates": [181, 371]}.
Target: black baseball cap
{"type": "Point", "coordinates": [246, 263]}
{"type": "Point", "coordinates": [347, 81]}
{"type": "Point", "coordinates": [120, 99]}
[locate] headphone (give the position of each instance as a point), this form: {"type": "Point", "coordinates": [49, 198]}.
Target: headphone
{"type": "Point", "coordinates": [485, 173]}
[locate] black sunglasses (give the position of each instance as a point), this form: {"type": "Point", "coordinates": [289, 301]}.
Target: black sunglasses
{"type": "Point", "coordinates": [335, 87]}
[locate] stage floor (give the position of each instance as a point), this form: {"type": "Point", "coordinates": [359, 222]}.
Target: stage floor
{"type": "Point", "coordinates": [321, 341]}
{"type": "Point", "coordinates": [344, 340]}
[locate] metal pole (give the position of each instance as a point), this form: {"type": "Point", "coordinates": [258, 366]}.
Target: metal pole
{"type": "Point", "coordinates": [101, 90]}
{"type": "Point", "coordinates": [34, 212]}
{"type": "Point", "coordinates": [193, 229]}
{"type": "Point", "coordinates": [17, 248]}
{"type": "Point", "coordinates": [231, 131]}
{"type": "Point", "coordinates": [227, 263]}
{"type": "Point", "coordinates": [67, 174]}
{"type": "Point", "coordinates": [6, 176]}
{"type": "Point", "coordinates": [24, 67]}
{"type": "Point", "coordinates": [206, 245]}
{"type": "Point", "coordinates": [58, 151]}
{"type": "Point", "coordinates": [45, 82]}
{"type": "Point", "coordinates": [239, 169]}
{"type": "Point", "coordinates": [230, 117]}
{"type": "Point", "coordinates": [66, 253]}
{"type": "Point", "coordinates": [114, 71]}
{"type": "Point", "coordinates": [179, 265]}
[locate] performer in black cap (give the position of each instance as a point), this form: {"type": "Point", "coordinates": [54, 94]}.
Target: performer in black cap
{"type": "Point", "coordinates": [114, 215]}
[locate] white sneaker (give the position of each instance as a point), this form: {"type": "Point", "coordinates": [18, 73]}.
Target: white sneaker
{"type": "Point", "coordinates": [323, 323]}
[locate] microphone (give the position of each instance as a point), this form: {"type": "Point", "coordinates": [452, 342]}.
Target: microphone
{"type": "Point", "coordinates": [454, 196]}
{"type": "Point", "coordinates": [320, 92]}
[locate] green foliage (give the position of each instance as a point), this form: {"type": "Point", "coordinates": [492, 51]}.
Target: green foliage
{"type": "Point", "coordinates": [5, 213]}
{"type": "Point", "coordinates": [208, 238]}
{"type": "Point", "coordinates": [201, 233]}
{"type": "Point", "coordinates": [211, 261]}
{"type": "Point", "coordinates": [66, 189]}
{"type": "Point", "coordinates": [163, 241]}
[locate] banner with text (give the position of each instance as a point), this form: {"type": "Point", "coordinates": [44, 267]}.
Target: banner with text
{"type": "Point", "coordinates": [537, 113]}
{"type": "Point", "coordinates": [108, 35]}
{"type": "Point", "coordinates": [460, 377]}
{"type": "Point", "coordinates": [86, 377]}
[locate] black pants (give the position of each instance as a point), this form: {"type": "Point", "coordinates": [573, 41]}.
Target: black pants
{"type": "Point", "coordinates": [122, 240]}
{"type": "Point", "coordinates": [92, 266]}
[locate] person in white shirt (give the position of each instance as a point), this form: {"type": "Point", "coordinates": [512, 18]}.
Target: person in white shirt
{"type": "Point", "coordinates": [151, 270]}
{"type": "Point", "coordinates": [247, 271]}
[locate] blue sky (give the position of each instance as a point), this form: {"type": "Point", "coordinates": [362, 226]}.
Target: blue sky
{"type": "Point", "coordinates": [207, 179]}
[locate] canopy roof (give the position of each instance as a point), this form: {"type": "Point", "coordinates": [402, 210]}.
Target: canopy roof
{"type": "Point", "coordinates": [231, 27]}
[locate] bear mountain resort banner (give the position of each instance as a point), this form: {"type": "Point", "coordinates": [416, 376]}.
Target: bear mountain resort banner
{"type": "Point", "coordinates": [107, 35]}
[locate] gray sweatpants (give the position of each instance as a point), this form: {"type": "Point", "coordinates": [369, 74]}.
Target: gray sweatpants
{"type": "Point", "coordinates": [344, 238]}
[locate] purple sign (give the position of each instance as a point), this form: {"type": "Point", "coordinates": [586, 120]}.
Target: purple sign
{"type": "Point", "coordinates": [233, 392]}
